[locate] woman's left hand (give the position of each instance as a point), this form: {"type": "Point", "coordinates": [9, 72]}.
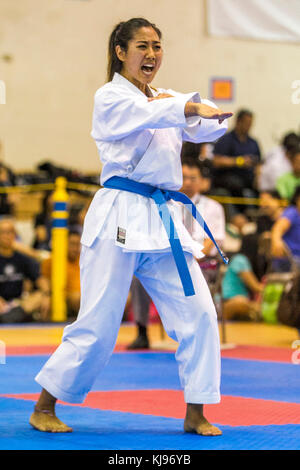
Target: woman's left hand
{"type": "Point", "coordinates": [160, 96]}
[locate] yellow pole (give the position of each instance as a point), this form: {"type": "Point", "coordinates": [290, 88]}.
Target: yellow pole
{"type": "Point", "coordinates": [59, 250]}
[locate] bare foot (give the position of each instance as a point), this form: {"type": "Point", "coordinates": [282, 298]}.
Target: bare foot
{"type": "Point", "coordinates": [44, 418]}
{"type": "Point", "coordinates": [195, 422]}
{"type": "Point", "coordinates": [47, 422]}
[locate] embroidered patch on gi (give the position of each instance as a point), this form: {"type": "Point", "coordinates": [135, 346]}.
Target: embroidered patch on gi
{"type": "Point", "coordinates": [121, 235]}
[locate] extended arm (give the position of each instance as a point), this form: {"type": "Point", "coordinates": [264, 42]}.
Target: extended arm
{"type": "Point", "coordinates": [117, 115]}
{"type": "Point", "coordinates": [205, 111]}
{"type": "Point", "coordinates": [198, 109]}
{"type": "Point", "coordinates": [280, 227]}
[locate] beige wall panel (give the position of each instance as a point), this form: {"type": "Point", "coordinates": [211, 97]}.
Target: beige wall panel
{"type": "Point", "coordinates": [58, 60]}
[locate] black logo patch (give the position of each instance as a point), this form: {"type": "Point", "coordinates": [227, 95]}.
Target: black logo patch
{"type": "Point", "coordinates": [121, 235]}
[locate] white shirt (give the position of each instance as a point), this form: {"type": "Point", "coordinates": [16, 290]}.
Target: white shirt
{"type": "Point", "coordinates": [214, 216]}
{"type": "Point", "coordinates": [141, 140]}
{"type": "Point", "coordinates": [276, 164]}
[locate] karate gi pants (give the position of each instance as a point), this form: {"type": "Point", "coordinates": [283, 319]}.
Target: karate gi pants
{"type": "Point", "coordinates": [87, 344]}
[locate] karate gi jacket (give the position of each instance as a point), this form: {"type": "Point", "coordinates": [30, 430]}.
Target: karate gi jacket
{"type": "Point", "coordinates": [142, 141]}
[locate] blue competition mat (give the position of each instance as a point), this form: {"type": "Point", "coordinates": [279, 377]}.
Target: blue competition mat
{"type": "Point", "coordinates": [139, 371]}
{"type": "Point", "coordinates": [104, 429]}
{"type": "Point", "coordinates": [96, 429]}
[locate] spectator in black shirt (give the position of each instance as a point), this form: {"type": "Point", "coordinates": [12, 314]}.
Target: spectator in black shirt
{"type": "Point", "coordinates": [236, 157]}
{"type": "Point", "coordinates": [16, 305]}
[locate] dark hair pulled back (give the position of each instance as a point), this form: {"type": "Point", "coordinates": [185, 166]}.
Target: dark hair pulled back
{"type": "Point", "coordinates": [121, 35]}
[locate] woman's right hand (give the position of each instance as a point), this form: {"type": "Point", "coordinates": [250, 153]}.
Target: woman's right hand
{"type": "Point", "coordinates": [198, 109]}
{"type": "Point", "coordinates": [205, 111]}
{"type": "Point", "coordinates": [208, 112]}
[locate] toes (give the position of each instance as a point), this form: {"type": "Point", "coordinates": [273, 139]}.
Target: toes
{"type": "Point", "coordinates": [203, 430]}
{"type": "Point", "coordinates": [210, 432]}
{"type": "Point", "coordinates": [59, 430]}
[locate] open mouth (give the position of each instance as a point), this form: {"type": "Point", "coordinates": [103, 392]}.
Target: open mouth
{"type": "Point", "coordinates": [148, 69]}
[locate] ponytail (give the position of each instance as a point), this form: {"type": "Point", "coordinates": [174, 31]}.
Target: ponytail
{"type": "Point", "coordinates": [120, 36]}
{"type": "Point", "coordinates": [114, 64]}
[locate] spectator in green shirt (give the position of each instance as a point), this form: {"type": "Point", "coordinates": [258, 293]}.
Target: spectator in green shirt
{"type": "Point", "coordinates": [287, 183]}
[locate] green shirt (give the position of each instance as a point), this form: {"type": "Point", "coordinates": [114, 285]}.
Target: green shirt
{"type": "Point", "coordinates": [286, 185]}
{"type": "Point", "coordinates": [232, 283]}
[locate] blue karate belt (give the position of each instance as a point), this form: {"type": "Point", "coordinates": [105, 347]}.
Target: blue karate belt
{"type": "Point", "coordinates": [161, 196]}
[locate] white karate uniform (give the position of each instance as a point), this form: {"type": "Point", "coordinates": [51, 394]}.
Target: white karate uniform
{"type": "Point", "coordinates": [139, 140]}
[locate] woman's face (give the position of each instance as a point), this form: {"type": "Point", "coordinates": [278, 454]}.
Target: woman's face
{"type": "Point", "coordinates": [143, 57]}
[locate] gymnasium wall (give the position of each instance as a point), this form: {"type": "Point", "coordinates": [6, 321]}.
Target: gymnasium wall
{"type": "Point", "coordinates": [53, 58]}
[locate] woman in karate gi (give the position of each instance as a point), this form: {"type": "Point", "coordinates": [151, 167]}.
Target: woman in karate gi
{"type": "Point", "coordinates": [139, 132]}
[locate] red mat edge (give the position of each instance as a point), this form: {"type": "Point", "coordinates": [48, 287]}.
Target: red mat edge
{"type": "Point", "coordinates": [233, 410]}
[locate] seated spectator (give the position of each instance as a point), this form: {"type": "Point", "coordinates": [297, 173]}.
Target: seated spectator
{"type": "Point", "coordinates": [17, 305]}
{"type": "Point", "coordinates": [271, 208]}
{"type": "Point", "coordinates": [43, 225]}
{"type": "Point", "coordinates": [196, 182]}
{"type": "Point", "coordinates": [191, 150]}
{"type": "Point", "coordinates": [285, 235]}
{"type": "Point", "coordinates": [77, 215]}
{"type": "Point", "coordinates": [241, 284]}
{"type": "Point", "coordinates": [73, 276]}
{"type": "Point", "coordinates": [277, 162]}
{"type": "Point", "coordinates": [236, 158]}
{"type": "Point", "coordinates": [287, 183]}
{"type": "Point", "coordinates": [235, 228]}
{"type": "Point", "coordinates": [202, 152]}
{"type": "Point", "coordinates": [43, 221]}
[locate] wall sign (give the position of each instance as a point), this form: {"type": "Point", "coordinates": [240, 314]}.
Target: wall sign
{"type": "Point", "coordinates": [222, 89]}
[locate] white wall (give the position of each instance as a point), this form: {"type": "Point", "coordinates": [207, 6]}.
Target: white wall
{"type": "Point", "coordinates": [58, 60]}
